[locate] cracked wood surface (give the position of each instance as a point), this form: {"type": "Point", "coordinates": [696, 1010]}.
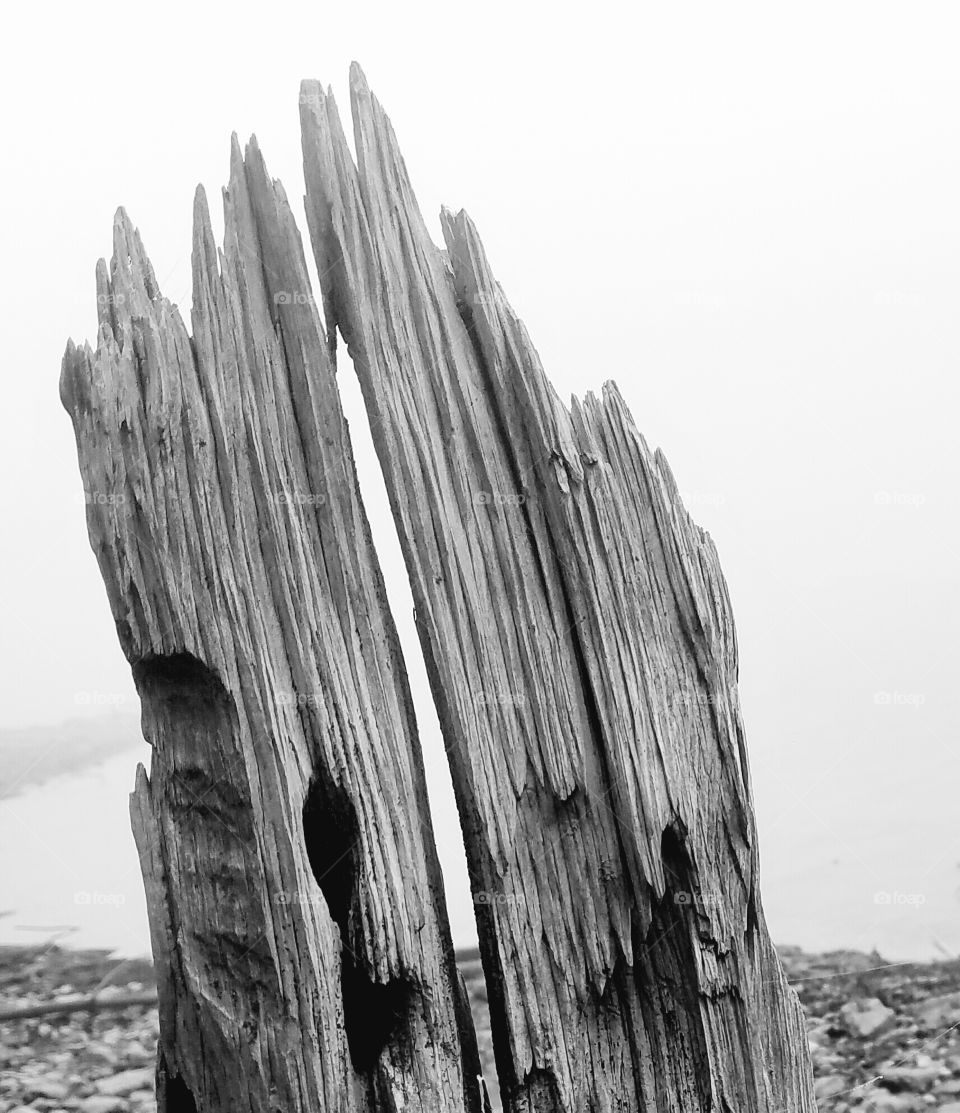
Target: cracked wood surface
{"type": "Point", "coordinates": [295, 899]}
{"type": "Point", "coordinates": [582, 655]}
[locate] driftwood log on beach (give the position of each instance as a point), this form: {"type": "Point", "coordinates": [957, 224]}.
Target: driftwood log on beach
{"type": "Point", "coordinates": [581, 648]}
{"type": "Point", "coordinates": [296, 905]}
{"type": "Point", "coordinates": [581, 651]}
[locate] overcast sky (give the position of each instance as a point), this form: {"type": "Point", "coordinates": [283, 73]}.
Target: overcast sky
{"type": "Point", "coordinates": [748, 217]}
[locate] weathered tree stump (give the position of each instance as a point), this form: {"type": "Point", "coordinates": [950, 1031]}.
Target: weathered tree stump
{"type": "Point", "coordinates": [581, 653]}
{"type": "Point", "coordinates": [296, 906]}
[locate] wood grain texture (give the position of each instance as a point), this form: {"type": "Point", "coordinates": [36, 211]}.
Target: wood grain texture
{"type": "Point", "coordinates": [583, 659]}
{"type": "Point", "coordinates": [295, 899]}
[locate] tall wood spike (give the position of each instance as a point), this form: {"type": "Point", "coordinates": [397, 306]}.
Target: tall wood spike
{"type": "Point", "coordinates": [295, 899]}
{"type": "Point", "coordinates": [582, 654]}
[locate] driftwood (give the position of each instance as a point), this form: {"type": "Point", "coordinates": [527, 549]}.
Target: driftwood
{"type": "Point", "coordinates": [90, 1003]}
{"type": "Point", "coordinates": [582, 657]}
{"type": "Point", "coordinates": [582, 654]}
{"type": "Point", "coordinates": [295, 899]}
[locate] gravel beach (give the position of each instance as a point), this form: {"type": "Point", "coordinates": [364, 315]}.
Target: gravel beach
{"type": "Point", "coordinates": [885, 1037]}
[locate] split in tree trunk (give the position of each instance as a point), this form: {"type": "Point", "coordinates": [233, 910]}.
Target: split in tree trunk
{"type": "Point", "coordinates": [582, 654]}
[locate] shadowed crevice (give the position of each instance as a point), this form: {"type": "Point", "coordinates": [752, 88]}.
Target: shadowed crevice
{"type": "Point", "coordinates": [173, 1093]}
{"type": "Point", "coordinates": [373, 1011]}
{"type": "Point", "coordinates": [665, 971]}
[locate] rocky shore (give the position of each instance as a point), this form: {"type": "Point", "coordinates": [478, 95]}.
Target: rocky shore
{"type": "Point", "coordinates": [95, 1062]}
{"type": "Point", "coordinates": [885, 1037]}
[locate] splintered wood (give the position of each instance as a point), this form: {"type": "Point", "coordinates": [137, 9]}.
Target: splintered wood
{"type": "Point", "coordinates": [296, 905]}
{"type": "Point", "coordinates": [581, 652]}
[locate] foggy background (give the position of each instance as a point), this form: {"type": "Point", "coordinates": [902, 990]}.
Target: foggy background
{"type": "Point", "coordinates": [748, 217]}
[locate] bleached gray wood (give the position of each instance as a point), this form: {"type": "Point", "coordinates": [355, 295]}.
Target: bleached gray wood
{"type": "Point", "coordinates": [296, 905]}
{"type": "Point", "coordinates": [583, 658]}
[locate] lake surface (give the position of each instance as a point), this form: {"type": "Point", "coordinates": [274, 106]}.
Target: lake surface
{"type": "Point", "coordinates": [836, 873]}
{"type": "Point", "coordinates": [68, 861]}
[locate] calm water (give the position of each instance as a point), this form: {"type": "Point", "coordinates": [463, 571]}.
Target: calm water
{"type": "Point", "coordinates": [69, 865]}
{"type": "Point", "coordinates": [837, 875]}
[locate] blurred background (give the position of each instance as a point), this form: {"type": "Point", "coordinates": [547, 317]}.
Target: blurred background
{"type": "Point", "coordinates": [748, 216]}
